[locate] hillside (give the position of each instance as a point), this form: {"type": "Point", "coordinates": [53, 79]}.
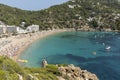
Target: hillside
{"type": "Point", "coordinates": [97, 14]}
{"type": "Point", "coordinates": [10, 70]}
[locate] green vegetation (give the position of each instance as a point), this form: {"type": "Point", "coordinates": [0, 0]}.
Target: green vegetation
{"type": "Point", "coordinates": [9, 70]}
{"type": "Point", "coordinates": [103, 15]}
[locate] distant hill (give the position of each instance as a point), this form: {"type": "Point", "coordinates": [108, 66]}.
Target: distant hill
{"type": "Point", "coordinates": [97, 14]}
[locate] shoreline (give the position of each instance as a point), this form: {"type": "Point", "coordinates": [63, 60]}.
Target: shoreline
{"type": "Point", "coordinates": [38, 38]}
{"type": "Point", "coordinates": [17, 44]}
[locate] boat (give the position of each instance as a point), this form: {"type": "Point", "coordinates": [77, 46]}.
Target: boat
{"type": "Point", "coordinates": [24, 61]}
{"type": "Point", "coordinates": [94, 53]}
{"type": "Point", "coordinates": [108, 48]}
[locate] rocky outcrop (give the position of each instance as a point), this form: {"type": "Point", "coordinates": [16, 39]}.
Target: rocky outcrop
{"type": "Point", "coordinates": [44, 63]}
{"type": "Point", "coordinates": [20, 77]}
{"type": "Point", "coordinates": [107, 29]}
{"type": "Point", "coordinates": [86, 28]}
{"type": "Point", "coordinates": [71, 72]}
{"type": "Point", "coordinates": [31, 77]}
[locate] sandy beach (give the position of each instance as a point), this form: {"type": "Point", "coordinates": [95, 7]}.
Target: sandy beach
{"type": "Point", "coordinates": [13, 46]}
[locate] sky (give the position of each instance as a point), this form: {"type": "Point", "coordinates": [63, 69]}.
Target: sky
{"type": "Point", "coordinates": [32, 4]}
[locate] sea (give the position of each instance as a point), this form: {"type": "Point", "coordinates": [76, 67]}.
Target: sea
{"type": "Point", "coordinates": [97, 52]}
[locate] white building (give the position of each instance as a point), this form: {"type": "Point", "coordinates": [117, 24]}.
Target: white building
{"type": "Point", "coordinates": [33, 28]}
{"type": "Point", "coordinates": [15, 29]}
{"type": "Point", "coordinates": [20, 30]}
{"type": "Point", "coordinates": [71, 6]}
{"type": "Point", "coordinates": [11, 29]}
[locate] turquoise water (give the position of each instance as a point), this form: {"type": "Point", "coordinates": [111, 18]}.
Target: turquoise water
{"type": "Point", "coordinates": [79, 48]}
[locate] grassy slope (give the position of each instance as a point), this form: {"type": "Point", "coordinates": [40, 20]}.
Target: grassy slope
{"type": "Point", "coordinates": [9, 70]}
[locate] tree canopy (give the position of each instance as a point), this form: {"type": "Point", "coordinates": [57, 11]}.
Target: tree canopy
{"type": "Point", "coordinates": [105, 14]}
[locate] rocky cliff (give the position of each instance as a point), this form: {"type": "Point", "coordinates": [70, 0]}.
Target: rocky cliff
{"type": "Point", "coordinates": [71, 72]}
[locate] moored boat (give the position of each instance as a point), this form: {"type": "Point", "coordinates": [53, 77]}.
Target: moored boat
{"type": "Point", "coordinates": [108, 48]}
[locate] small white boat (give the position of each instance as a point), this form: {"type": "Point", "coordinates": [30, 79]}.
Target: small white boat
{"type": "Point", "coordinates": [108, 48]}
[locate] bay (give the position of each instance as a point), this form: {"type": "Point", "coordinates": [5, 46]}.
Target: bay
{"type": "Point", "coordinates": [84, 49]}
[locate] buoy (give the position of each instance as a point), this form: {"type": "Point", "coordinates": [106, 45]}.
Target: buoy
{"type": "Point", "coordinates": [94, 53]}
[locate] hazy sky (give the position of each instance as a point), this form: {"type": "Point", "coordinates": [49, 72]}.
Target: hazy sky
{"type": "Point", "coordinates": [32, 4]}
